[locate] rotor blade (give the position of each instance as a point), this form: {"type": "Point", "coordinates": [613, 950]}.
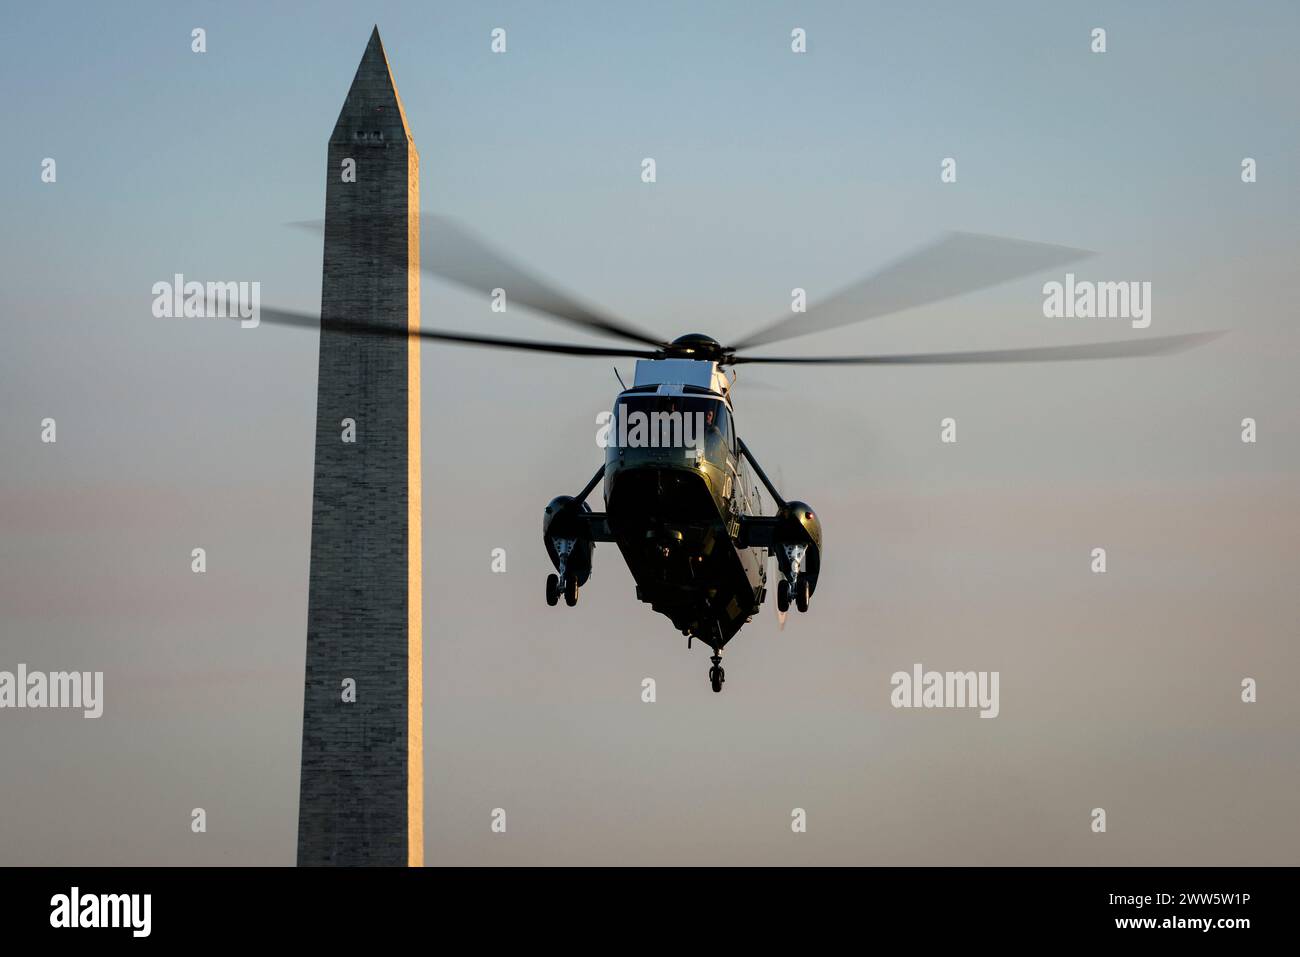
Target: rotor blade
{"type": "Point", "coordinates": [305, 320]}
{"type": "Point", "coordinates": [451, 252]}
{"type": "Point", "coordinates": [956, 264]}
{"type": "Point", "coordinates": [1158, 346]}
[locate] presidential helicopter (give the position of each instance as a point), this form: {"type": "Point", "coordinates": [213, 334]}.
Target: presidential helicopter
{"type": "Point", "coordinates": [681, 503]}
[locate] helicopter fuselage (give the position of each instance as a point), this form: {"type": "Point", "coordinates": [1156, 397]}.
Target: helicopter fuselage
{"type": "Point", "coordinates": [682, 506]}
{"type": "Point", "coordinates": [675, 516]}
{"type": "Point", "coordinates": [675, 490]}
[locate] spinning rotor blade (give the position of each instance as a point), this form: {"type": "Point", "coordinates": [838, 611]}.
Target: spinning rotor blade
{"type": "Point", "coordinates": [1160, 345]}
{"type": "Point", "coordinates": [451, 252]}
{"type": "Point", "coordinates": [956, 264]}
{"type": "Point", "coordinates": [305, 320]}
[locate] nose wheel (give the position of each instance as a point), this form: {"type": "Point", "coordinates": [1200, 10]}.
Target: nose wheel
{"type": "Point", "coordinates": [716, 674]}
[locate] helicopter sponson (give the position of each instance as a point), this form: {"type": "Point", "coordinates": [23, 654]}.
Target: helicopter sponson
{"type": "Point", "coordinates": [794, 536]}
{"type": "Point", "coordinates": [566, 531]}
{"type": "Point", "coordinates": [799, 526]}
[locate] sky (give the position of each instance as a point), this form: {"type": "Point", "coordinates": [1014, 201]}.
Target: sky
{"type": "Point", "coordinates": [775, 170]}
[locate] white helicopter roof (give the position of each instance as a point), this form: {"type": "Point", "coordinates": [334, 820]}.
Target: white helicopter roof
{"type": "Point", "coordinates": [696, 372]}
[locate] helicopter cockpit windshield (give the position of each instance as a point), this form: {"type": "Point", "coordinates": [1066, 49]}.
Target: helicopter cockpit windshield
{"type": "Point", "coordinates": [687, 422]}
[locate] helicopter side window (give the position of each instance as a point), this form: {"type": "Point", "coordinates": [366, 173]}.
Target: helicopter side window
{"type": "Point", "coordinates": [724, 424]}
{"type": "Point", "coordinates": [717, 439]}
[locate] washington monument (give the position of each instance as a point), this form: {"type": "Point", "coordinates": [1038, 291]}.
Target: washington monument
{"type": "Point", "coordinates": [361, 794]}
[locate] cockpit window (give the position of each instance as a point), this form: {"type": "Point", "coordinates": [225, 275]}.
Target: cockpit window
{"type": "Point", "coordinates": [673, 421]}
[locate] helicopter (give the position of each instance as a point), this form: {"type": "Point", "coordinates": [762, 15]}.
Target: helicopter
{"type": "Point", "coordinates": [683, 508]}
{"type": "Point", "coordinates": [681, 503]}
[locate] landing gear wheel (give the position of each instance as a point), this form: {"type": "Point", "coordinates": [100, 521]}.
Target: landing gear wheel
{"type": "Point", "coordinates": [552, 590]}
{"type": "Point", "coordinates": [801, 594]}
{"type": "Point", "coordinates": [716, 674]}
{"type": "Point", "coordinates": [571, 592]}
{"type": "Point", "coordinates": [783, 596]}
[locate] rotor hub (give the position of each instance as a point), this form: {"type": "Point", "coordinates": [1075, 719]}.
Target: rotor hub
{"type": "Point", "coordinates": [696, 345]}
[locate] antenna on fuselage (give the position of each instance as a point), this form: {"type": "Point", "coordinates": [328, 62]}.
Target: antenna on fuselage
{"type": "Point", "coordinates": [619, 378]}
